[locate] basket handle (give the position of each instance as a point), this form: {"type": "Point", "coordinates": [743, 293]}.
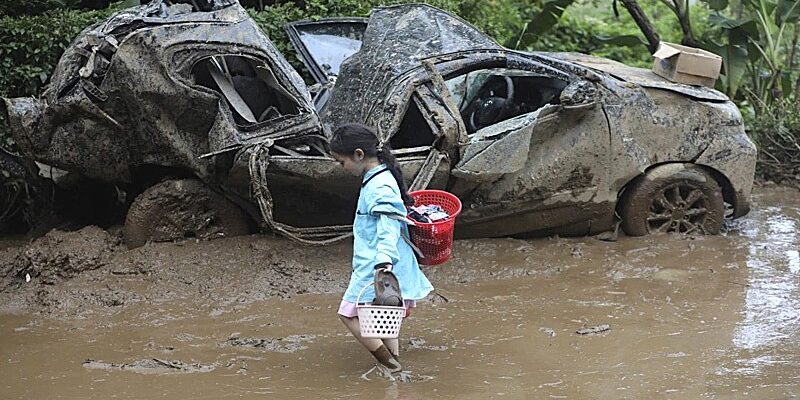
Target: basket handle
{"type": "Point", "coordinates": [361, 293]}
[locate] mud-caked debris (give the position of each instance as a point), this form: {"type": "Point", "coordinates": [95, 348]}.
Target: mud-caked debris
{"type": "Point", "coordinates": [593, 330]}
{"type": "Point", "coordinates": [289, 344]}
{"type": "Point", "coordinates": [419, 343]}
{"type": "Point", "coordinates": [547, 331]}
{"type": "Point", "coordinates": [61, 255]}
{"type": "Point", "coordinates": [151, 366]}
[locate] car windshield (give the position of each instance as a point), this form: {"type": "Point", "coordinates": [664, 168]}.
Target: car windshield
{"type": "Point", "coordinates": [329, 44]}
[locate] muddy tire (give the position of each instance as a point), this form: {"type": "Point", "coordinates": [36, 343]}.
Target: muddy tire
{"type": "Point", "coordinates": [679, 198]}
{"type": "Point", "coordinates": [182, 208]}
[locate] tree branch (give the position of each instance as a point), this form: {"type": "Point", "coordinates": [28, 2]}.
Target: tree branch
{"type": "Point", "coordinates": [643, 23]}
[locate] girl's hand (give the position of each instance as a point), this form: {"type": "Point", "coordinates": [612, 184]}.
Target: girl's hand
{"type": "Point", "coordinates": [387, 266]}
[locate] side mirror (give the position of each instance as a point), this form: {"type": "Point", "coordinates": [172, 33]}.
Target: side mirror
{"type": "Point", "coordinates": [578, 93]}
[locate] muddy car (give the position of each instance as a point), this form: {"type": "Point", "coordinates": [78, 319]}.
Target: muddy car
{"type": "Point", "coordinates": [194, 113]}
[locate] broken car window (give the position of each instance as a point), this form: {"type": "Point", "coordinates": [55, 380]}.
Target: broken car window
{"type": "Point", "coordinates": [488, 96]}
{"type": "Point", "coordinates": [248, 85]}
{"type": "Point", "coordinates": [330, 44]}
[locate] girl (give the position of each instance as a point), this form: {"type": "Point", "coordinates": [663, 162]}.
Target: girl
{"type": "Point", "coordinates": [378, 238]}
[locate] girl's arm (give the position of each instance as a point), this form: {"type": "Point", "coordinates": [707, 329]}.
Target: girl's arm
{"type": "Point", "coordinates": [388, 233]}
{"type": "Point", "coordinates": [383, 201]}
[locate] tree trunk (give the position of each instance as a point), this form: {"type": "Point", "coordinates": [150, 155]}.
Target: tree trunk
{"type": "Point", "coordinates": [643, 23]}
{"type": "Point", "coordinates": [682, 12]}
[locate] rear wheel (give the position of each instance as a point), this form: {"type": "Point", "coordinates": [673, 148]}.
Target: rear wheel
{"type": "Point", "coordinates": [680, 198]}
{"type": "Point", "coordinates": [182, 208]}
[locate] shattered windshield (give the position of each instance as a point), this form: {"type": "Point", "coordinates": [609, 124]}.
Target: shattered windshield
{"type": "Point", "coordinates": [329, 44]}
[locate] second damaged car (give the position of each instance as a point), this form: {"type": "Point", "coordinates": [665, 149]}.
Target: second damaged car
{"type": "Point", "coordinates": [193, 111]}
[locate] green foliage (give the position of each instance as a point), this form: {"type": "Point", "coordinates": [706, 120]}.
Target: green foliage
{"type": "Point", "coordinates": [503, 20]}
{"type": "Point", "coordinates": [33, 7]}
{"type": "Point", "coordinates": [759, 48]}
{"type": "Point", "coordinates": [776, 131]}
{"type": "Point", "coordinates": [591, 26]}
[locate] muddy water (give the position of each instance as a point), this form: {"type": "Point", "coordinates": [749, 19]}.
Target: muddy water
{"type": "Point", "coordinates": [710, 317]}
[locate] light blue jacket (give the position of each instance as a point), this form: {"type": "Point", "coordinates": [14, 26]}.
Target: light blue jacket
{"type": "Point", "coordinates": [377, 239]}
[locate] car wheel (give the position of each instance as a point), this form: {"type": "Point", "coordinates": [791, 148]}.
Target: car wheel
{"type": "Point", "coordinates": [182, 208]}
{"type": "Point", "coordinates": [679, 198]}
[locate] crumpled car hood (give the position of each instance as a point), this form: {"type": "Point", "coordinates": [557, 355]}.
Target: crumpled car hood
{"type": "Point", "coordinates": [395, 41]}
{"type": "Point", "coordinates": [639, 76]}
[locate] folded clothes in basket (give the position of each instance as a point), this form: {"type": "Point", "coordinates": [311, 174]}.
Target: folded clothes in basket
{"type": "Point", "coordinates": [427, 214]}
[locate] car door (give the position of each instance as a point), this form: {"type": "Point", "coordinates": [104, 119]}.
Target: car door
{"type": "Point", "coordinates": [541, 166]}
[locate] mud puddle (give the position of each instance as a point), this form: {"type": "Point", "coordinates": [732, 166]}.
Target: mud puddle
{"type": "Point", "coordinates": [663, 317]}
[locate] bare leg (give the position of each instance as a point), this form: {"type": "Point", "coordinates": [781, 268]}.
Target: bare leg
{"type": "Point", "coordinates": [393, 345]}
{"type": "Point", "coordinates": [375, 346]}
{"type": "Point", "coordinates": [371, 344]}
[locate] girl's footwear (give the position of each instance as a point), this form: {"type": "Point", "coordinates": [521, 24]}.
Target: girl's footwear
{"type": "Point", "coordinates": [385, 357]}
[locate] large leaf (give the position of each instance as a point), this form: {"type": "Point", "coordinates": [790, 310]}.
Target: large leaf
{"type": "Point", "coordinates": [548, 17]}
{"type": "Point", "coordinates": [734, 66]}
{"type": "Point", "coordinates": [722, 21]}
{"type": "Point", "coordinates": [787, 11]}
{"type": "Point", "coordinates": [716, 5]}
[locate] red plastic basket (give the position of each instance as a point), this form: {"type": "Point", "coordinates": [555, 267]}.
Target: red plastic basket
{"type": "Point", "coordinates": [435, 239]}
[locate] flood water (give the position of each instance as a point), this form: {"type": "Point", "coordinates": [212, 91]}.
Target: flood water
{"type": "Point", "coordinates": [706, 317]}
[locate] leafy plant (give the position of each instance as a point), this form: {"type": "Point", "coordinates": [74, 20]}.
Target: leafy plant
{"type": "Point", "coordinates": [758, 50]}
{"type": "Point", "coordinates": [776, 131]}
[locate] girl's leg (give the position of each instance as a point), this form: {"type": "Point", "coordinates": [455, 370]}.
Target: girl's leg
{"type": "Point", "coordinates": [375, 346]}
{"type": "Point", "coordinates": [393, 345]}
{"type": "Point", "coordinates": [371, 344]}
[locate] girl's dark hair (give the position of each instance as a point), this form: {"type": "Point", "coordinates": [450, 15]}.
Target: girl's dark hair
{"type": "Point", "coordinates": [349, 137]}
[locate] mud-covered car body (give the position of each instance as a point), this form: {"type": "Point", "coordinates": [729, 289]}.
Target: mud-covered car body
{"type": "Point", "coordinates": [530, 142]}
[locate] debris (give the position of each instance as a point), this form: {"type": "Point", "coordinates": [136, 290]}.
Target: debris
{"type": "Point", "coordinates": [151, 366]}
{"type": "Point", "coordinates": [289, 344]}
{"type": "Point", "coordinates": [593, 330]}
{"type": "Point", "coordinates": [548, 331]}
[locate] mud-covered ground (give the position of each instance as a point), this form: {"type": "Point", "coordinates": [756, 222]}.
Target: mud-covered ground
{"type": "Point", "coordinates": [251, 317]}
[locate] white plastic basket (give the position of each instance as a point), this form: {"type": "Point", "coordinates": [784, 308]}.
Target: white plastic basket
{"type": "Point", "coordinates": [381, 322]}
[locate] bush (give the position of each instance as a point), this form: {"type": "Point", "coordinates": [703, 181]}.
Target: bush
{"type": "Point", "coordinates": [776, 132]}
{"type": "Point", "coordinates": [32, 7]}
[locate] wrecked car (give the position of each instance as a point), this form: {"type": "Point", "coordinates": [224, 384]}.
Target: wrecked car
{"type": "Point", "coordinates": [194, 114]}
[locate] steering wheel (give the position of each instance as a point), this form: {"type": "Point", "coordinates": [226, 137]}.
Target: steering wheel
{"type": "Point", "coordinates": [487, 108]}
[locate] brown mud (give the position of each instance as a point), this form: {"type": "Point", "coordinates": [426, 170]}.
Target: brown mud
{"type": "Point", "coordinates": [653, 317]}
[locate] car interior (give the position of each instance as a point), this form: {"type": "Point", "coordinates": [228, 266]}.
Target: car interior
{"type": "Point", "coordinates": [486, 97]}
{"type": "Point", "coordinates": [249, 86]}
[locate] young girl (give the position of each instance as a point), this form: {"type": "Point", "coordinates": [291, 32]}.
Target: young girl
{"type": "Point", "coordinates": [378, 238]}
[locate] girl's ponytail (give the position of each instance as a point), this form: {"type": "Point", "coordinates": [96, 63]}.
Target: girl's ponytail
{"type": "Point", "coordinates": [385, 156]}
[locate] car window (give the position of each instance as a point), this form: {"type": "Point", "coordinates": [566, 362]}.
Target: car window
{"type": "Point", "coordinates": [330, 44]}
{"type": "Point", "coordinates": [248, 85]}
{"type": "Point", "coordinates": [414, 131]}
{"type": "Point", "coordinates": [488, 96]}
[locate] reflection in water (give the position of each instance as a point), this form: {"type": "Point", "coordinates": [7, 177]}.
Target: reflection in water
{"type": "Point", "coordinates": [772, 301]}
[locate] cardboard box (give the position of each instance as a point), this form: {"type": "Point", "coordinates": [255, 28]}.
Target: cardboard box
{"type": "Point", "coordinates": [686, 64]}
